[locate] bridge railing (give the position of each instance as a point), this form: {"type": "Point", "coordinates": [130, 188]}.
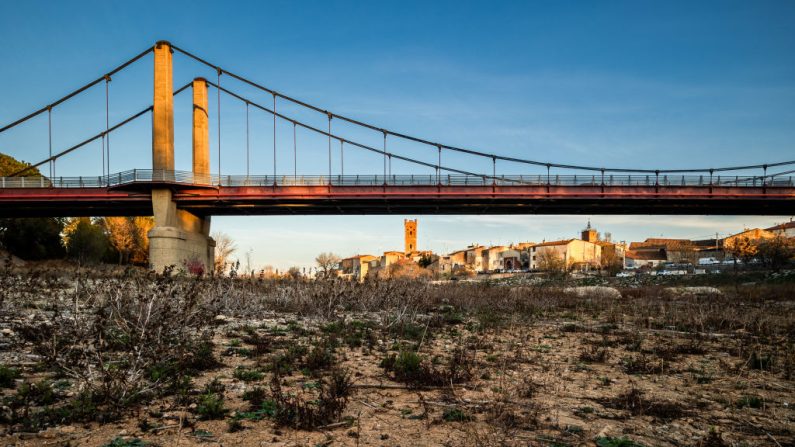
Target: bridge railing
{"type": "Point", "coordinates": [189, 178]}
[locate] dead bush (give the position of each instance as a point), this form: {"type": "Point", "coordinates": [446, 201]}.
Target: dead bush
{"type": "Point", "coordinates": [307, 412]}
{"type": "Point", "coordinates": [122, 342]}
{"type": "Point", "coordinates": [634, 402]}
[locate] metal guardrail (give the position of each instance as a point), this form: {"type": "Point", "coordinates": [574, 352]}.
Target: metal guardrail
{"type": "Point", "coordinates": [189, 178]}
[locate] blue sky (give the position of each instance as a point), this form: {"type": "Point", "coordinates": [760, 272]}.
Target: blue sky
{"type": "Point", "coordinates": [638, 84]}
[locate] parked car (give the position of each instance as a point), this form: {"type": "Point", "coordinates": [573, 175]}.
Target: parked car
{"type": "Point", "coordinates": [708, 261]}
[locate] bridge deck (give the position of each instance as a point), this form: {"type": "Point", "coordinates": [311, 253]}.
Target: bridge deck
{"type": "Point", "coordinates": [129, 194]}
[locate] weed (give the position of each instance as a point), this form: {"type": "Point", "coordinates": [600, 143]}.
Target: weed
{"type": "Point", "coordinates": [750, 402]}
{"type": "Point", "coordinates": [247, 375]}
{"type": "Point", "coordinates": [8, 377]}
{"type": "Point", "coordinates": [255, 396]}
{"type": "Point", "coordinates": [455, 415]}
{"type": "Point", "coordinates": [641, 364]}
{"type": "Point", "coordinates": [320, 357]}
{"type": "Point", "coordinates": [121, 442]}
{"type": "Point", "coordinates": [634, 402]}
{"type": "Point", "coordinates": [713, 439]}
{"type": "Point", "coordinates": [297, 412]}
{"type": "Point", "coordinates": [759, 361]}
{"type": "Point", "coordinates": [616, 442]}
{"type": "Point", "coordinates": [211, 406]}
{"type": "Point", "coordinates": [234, 425]}
{"type": "Point", "coordinates": [266, 408]}
{"type": "Point", "coordinates": [594, 354]}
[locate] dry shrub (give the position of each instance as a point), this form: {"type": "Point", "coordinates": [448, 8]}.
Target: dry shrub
{"type": "Point", "coordinates": [308, 412]}
{"type": "Point", "coordinates": [642, 364]}
{"type": "Point", "coordinates": [594, 354]}
{"type": "Point", "coordinates": [416, 371]}
{"type": "Point", "coordinates": [122, 341]}
{"type": "Point", "coordinates": [635, 403]}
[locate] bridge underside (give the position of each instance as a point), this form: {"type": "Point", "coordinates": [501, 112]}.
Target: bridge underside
{"type": "Point", "coordinates": [336, 200]}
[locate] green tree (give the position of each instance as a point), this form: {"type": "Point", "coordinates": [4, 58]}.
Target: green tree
{"type": "Point", "coordinates": [10, 165]}
{"type": "Point", "coordinates": [32, 239]}
{"type": "Point", "coordinates": [29, 238]}
{"type": "Point", "coordinates": [85, 240]}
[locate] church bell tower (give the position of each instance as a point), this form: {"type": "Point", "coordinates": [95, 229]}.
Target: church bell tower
{"type": "Point", "coordinates": [410, 235]}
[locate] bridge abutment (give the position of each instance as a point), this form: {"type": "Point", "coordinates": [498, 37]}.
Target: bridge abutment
{"type": "Point", "coordinates": [178, 238]}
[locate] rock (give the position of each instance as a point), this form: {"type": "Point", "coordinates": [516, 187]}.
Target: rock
{"type": "Point", "coordinates": [49, 434]}
{"type": "Point", "coordinates": [593, 292]}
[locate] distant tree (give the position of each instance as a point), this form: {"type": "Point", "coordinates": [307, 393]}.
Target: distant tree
{"type": "Point", "coordinates": [224, 247]}
{"type": "Point", "coordinates": [294, 273]}
{"type": "Point", "coordinates": [140, 226]}
{"type": "Point", "coordinates": [85, 240]}
{"type": "Point", "coordinates": [129, 237]}
{"type": "Point", "coordinates": [742, 248]}
{"type": "Point", "coordinates": [29, 238]}
{"type": "Point", "coordinates": [407, 269]}
{"type": "Point", "coordinates": [551, 261]}
{"type": "Point", "coordinates": [120, 236]}
{"type": "Point", "coordinates": [327, 262]}
{"type": "Point", "coordinates": [775, 253]}
{"type": "Point", "coordinates": [425, 261]}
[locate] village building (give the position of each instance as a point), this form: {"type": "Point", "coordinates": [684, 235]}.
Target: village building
{"type": "Point", "coordinates": [500, 258]}
{"type": "Point", "coordinates": [676, 250]}
{"type": "Point", "coordinates": [787, 229]}
{"type": "Point", "coordinates": [647, 258]}
{"type": "Point", "coordinates": [576, 254]}
{"type": "Point", "coordinates": [356, 267]}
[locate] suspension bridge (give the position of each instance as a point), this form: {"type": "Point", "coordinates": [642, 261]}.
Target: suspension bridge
{"type": "Point", "coordinates": [183, 201]}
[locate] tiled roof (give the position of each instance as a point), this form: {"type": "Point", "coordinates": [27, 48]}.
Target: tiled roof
{"type": "Point", "coordinates": [648, 255]}
{"type": "Point", "coordinates": [669, 244]}
{"type": "Point", "coordinates": [784, 226]}
{"type": "Point", "coordinates": [553, 243]}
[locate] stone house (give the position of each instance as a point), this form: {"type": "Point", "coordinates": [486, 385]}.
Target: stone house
{"type": "Point", "coordinates": [576, 253]}
{"type": "Point", "coordinates": [356, 267]}
{"type": "Point", "coordinates": [787, 229]}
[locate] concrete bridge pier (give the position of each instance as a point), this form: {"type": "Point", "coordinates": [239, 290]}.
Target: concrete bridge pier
{"type": "Point", "coordinates": [178, 238]}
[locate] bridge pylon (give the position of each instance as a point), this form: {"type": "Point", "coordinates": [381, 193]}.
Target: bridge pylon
{"type": "Point", "coordinates": [178, 238]}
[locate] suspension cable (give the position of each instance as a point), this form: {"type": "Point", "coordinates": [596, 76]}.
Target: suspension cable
{"type": "Point", "coordinates": [351, 142]}
{"type": "Point", "coordinates": [219, 124]}
{"type": "Point", "coordinates": [342, 158]}
{"type": "Point", "coordinates": [83, 143]}
{"type": "Point", "coordinates": [295, 154]}
{"type": "Point", "coordinates": [78, 91]}
{"type": "Point", "coordinates": [329, 145]}
{"type": "Point", "coordinates": [464, 150]}
{"type": "Point", "coordinates": [53, 158]}
{"type": "Point", "coordinates": [49, 137]}
{"type": "Point", "coordinates": [274, 137]}
{"type": "Point", "coordinates": [107, 121]}
{"type": "Point", "coordinates": [247, 143]}
{"type": "Point", "coordinates": [384, 157]}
